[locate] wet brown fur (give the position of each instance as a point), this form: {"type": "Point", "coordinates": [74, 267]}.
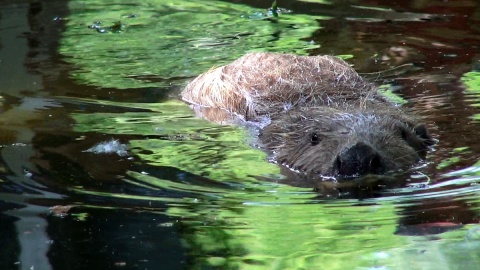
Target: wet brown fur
{"type": "Point", "coordinates": [256, 82]}
{"type": "Point", "coordinates": [318, 107]}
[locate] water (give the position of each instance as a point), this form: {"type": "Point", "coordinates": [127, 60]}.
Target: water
{"type": "Point", "coordinates": [103, 168]}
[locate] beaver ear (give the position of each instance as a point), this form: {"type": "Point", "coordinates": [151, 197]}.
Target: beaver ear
{"type": "Point", "coordinates": [422, 133]}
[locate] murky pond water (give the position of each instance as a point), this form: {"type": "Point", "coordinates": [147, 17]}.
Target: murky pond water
{"type": "Point", "coordinates": [102, 167]}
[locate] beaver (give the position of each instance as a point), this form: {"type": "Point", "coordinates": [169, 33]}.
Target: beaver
{"type": "Point", "coordinates": [324, 119]}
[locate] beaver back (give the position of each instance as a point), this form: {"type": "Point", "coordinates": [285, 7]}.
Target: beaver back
{"type": "Point", "coordinates": [259, 83]}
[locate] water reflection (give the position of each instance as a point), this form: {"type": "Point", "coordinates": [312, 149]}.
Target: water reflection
{"type": "Point", "coordinates": [192, 194]}
{"type": "Point", "coordinates": [19, 190]}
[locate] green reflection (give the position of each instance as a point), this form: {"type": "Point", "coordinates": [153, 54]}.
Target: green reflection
{"type": "Point", "coordinates": [161, 41]}
{"type": "Point", "coordinates": [388, 92]}
{"type": "Point", "coordinates": [317, 236]}
{"type": "Point", "coordinates": [179, 140]}
{"type": "Point", "coordinates": [228, 158]}
{"type": "Point", "coordinates": [472, 81]}
{"type": "Point", "coordinates": [454, 158]}
{"type": "Point", "coordinates": [294, 236]}
{"type": "Point", "coordinates": [167, 118]}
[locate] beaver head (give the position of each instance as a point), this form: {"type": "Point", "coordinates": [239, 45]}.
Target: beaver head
{"type": "Point", "coordinates": [330, 142]}
{"type": "Point", "coordinates": [325, 119]}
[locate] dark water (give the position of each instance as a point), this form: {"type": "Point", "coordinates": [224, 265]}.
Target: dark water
{"type": "Point", "coordinates": [81, 78]}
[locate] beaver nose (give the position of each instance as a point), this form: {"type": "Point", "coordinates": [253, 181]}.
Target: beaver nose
{"type": "Point", "coordinates": [357, 160]}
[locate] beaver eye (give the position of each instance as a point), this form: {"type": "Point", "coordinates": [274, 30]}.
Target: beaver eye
{"type": "Point", "coordinates": [314, 138]}
{"type": "Point", "coordinates": [421, 132]}
{"type": "Point", "coordinates": [403, 134]}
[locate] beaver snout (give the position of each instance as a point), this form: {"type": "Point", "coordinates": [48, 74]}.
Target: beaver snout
{"type": "Point", "coordinates": [359, 159]}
